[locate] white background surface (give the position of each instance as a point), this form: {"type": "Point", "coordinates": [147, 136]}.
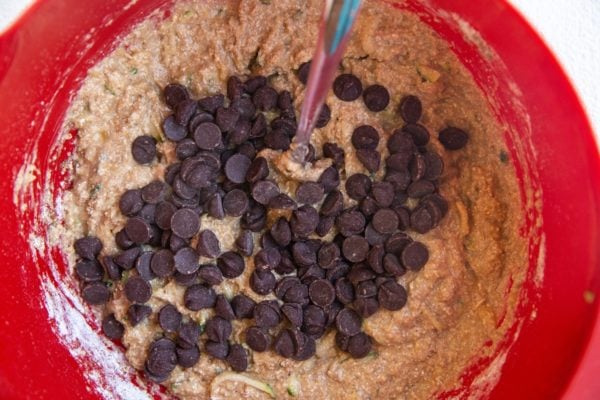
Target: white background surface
{"type": "Point", "coordinates": [570, 27]}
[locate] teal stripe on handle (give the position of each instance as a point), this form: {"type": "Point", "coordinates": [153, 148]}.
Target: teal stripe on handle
{"type": "Point", "coordinates": [344, 23]}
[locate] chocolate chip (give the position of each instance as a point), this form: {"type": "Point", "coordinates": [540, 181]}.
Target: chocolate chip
{"type": "Point", "coordinates": [329, 179]}
{"type": "Point", "coordinates": [335, 152]}
{"type": "Point", "coordinates": [237, 358]}
{"type": "Point", "coordinates": [283, 345]}
{"type": "Point", "coordinates": [392, 265]}
{"type": "Point", "coordinates": [186, 279]}
{"type": "Point", "coordinates": [218, 350]}
{"type": "Point", "coordinates": [245, 243]}
{"type": "Point", "coordinates": [198, 119]}
{"type": "Point", "coordinates": [360, 345]}
{"type": "Point", "coordinates": [399, 179]}
{"type": "Point", "coordinates": [264, 191]}
{"type": "Point", "coordinates": [303, 71]}
{"type": "Point", "coordinates": [127, 258]}
{"type": "Point", "coordinates": [287, 126]}
{"type": "Point", "coordinates": [198, 297]}
{"type": "Point", "coordinates": [355, 248]}
{"type": "Point", "coordinates": [434, 166]}
{"type": "Point", "coordinates": [162, 263]}
{"type": "Point", "coordinates": [304, 221]}
{"type": "Point", "coordinates": [309, 192]}
{"type": "Point", "coordinates": [321, 292]}
{"type": "Point", "coordinates": [328, 255]}
{"type": "Point", "coordinates": [254, 83]}
{"type": "Point", "coordinates": [218, 329]}
{"type": "Point", "coordinates": [350, 223]}
{"type": "Point", "coordinates": [344, 291]}
{"type": "Point", "coordinates": [324, 226]}
{"type": "Point", "coordinates": [138, 230]}
{"type": "Point", "coordinates": [208, 244]}
{"type": "Point", "coordinates": [184, 111]}
{"type": "Point", "coordinates": [174, 94]}
{"type": "Point", "coordinates": [188, 334]}
{"type": "Point", "coordinates": [161, 361]}
{"type": "Point", "coordinates": [314, 320]}
{"type": "Point", "coordinates": [370, 159]}
{"type": "Point", "coordinates": [421, 220]}
{"type": "Point", "coordinates": [376, 98]}
{"type": "Point", "coordinates": [360, 272]}
{"type": "Point", "coordinates": [131, 202]}
{"type": "Point", "coordinates": [396, 243]}
{"type": "Point", "coordinates": [163, 213]}
{"type": "Point", "coordinates": [258, 339]}
{"type": "Point", "coordinates": [223, 308]}
{"type": "Point", "coordinates": [172, 130]}
{"type": "Point", "coordinates": [255, 218]}
{"type": "Point", "coordinates": [403, 217]}
{"type": "Point", "coordinates": [365, 306]}
{"type": "Point", "coordinates": [188, 357]}
{"type": "Point", "coordinates": [282, 202]}
{"type": "Point", "coordinates": [95, 293]}
{"type": "Point", "coordinates": [286, 265]}
{"type": "Point", "coordinates": [112, 328]}
{"type": "Point", "coordinates": [186, 260]}
{"type": "Point", "coordinates": [265, 98]}
{"type": "Point", "coordinates": [227, 118]}
{"type": "Point", "coordinates": [143, 149]}
{"type": "Point", "coordinates": [267, 314]}
{"type": "Point", "coordinates": [439, 201]}
{"type": "Point", "coordinates": [207, 136]}
{"type": "Point", "coordinates": [375, 258]}
{"type": "Point", "coordinates": [358, 186]}
{"type": "Point", "coordinates": [347, 87]}
{"type": "Point", "coordinates": [324, 117]}
{"type": "Point", "coordinates": [88, 247]}
{"type": "Point", "coordinates": [89, 270]}
{"type": "Point", "coordinates": [262, 282]}
{"type": "Point", "coordinates": [243, 306]}
{"type": "Point", "coordinates": [154, 192]}
{"type": "Point", "coordinates": [281, 232]}
{"type": "Point", "coordinates": [382, 193]}
{"type": "Point", "coordinates": [333, 203]}
{"type": "Point", "coordinates": [293, 313]}
{"type": "Point", "coordinates": [453, 138]}
{"type": "Point", "coordinates": [176, 243]}
{"type": "Point", "coordinates": [298, 293]}
{"type": "Point", "coordinates": [185, 148]}
{"type": "Point", "coordinates": [401, 142]}
{"type": "Point", "coordinates": [136, 313]}
{"type": "Point", "coordinates": [267, 259]}
{"type": "Point", "coordinates": [111, 268]}
{"type": "Point", "coordinates": [341, 341]}
{"type": "Point", "coordinates": [410, 109]}
{"type": "Point", "coordinates": [215, 206]}
{"type": "Point", "coordinates": [303, 255]}
{"type": "Point", "coordinates": [348, 322]}
{"type": "Point", "coordinates": [420, 189]}
{"type": "Point", "coordinates": [259, 127]}
{"type": "Point", "coordinates": [415, 255]}
{"type": "Point", "coordinates": [137, 290]}
{"type": "Point", "coordinates": [391, 295]}
{"type": "Point", "coordinates": [277, 140]}
{"type": "Point", "coordinates": [258, 170]}
{"type": "Point", "coordinates": [231, 264]}
{"type": "Point", "coordinates": [366, 289]}
{"type": "Point", "coordinates": [210, 274]}
{"type": "Point", "coordinates": [284, 284]}
{"type": "Point", "coordinates": [235, 203]}
{"type": "Point", "coordinates": [169, 318]}
{"type": "Point", "coordinates": [417, 167]}
{"type": "Point", "coordinates": [309, 274]}
{"type": "Point", "coordinates": [185, 223]}
{"type": "Point", "coordinates": [365, 137]}
{"type": "Point", "coordinates": [418, 132]}
{"type": "Point", "coordinates": [340, 269]}
{"type": "Point", "coordinates": [142, 265]}
{"type": "Point", "coordinates": [385, 221]}
{"type": "Point", "coordinates": [212, 103]}
{"type": "Point", "coordinates": [236, 168]}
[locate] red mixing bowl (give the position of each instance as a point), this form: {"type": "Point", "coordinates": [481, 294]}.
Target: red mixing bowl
{"type": "Point", "coordinates": [49, 346]}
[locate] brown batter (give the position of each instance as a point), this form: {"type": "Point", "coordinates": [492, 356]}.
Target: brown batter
{"type": "Point", "coordinates": [456, 304]}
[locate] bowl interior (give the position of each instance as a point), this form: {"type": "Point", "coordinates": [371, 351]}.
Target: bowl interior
{"type": "Point", "coordinates": [47, 54]}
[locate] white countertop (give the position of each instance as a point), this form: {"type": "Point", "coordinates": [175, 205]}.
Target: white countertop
{"type": "Point", "coordinates": [570, 27]}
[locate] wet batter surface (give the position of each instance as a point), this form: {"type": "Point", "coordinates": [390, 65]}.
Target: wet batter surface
{"type": "Point", "coordinates": [457, 304]}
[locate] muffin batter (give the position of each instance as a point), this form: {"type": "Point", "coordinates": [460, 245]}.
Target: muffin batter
{"type": "Point", "coordinates": [459, 305]}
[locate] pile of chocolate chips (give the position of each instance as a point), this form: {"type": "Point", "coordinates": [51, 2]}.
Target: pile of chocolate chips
{"type": "Point", "coordinates": [319, 285]}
